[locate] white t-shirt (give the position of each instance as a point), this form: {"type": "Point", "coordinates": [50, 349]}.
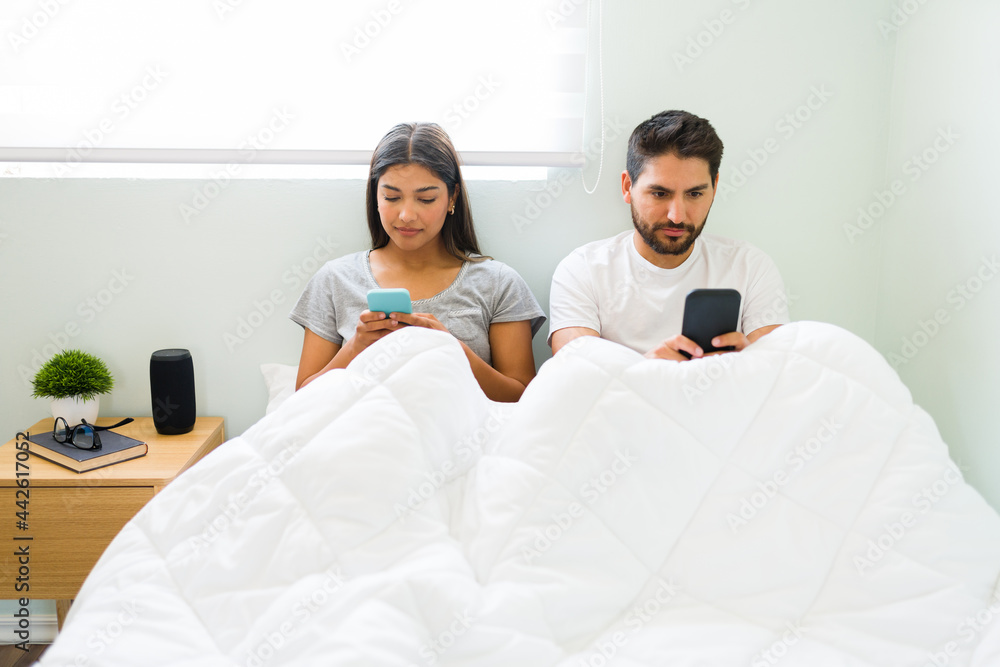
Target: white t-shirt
{"type": "Point", "coordinates": [609, 287]}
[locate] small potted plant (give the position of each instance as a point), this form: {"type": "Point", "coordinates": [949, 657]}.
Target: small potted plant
{"type": "Point", "coordinates": [74, 381]}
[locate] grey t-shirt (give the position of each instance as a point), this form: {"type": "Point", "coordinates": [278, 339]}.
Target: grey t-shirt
{"type": "Point", "coordinates": [483, 293]}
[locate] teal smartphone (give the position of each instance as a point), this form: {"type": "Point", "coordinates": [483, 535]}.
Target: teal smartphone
{"type": "Point", "coordinates": [389, 300]}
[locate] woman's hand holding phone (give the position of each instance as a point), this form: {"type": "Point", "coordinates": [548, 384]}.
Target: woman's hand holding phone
{"type": "Point", "coordinates": [376, 322]}
{"type": "Point", "coordinates": [395, 304]}
{"type": "Point", "coordinates": [370, 328]}
{"type": "Point", "coordinates": [425, 320]}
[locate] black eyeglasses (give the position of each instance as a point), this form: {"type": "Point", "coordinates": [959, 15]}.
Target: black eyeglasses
{"type": "Point", "coordinates": [83, 435]}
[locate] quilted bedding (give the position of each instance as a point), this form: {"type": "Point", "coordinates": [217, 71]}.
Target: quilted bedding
{"type": "Point", "coordinates": [785, 505]}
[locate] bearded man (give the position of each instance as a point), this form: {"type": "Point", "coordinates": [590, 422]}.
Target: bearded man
{"type": "Point", "coordinates": [630, 288]}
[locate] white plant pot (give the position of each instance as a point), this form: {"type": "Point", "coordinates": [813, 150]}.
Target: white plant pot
{"type": "Point", "coordinates": [74, 411]}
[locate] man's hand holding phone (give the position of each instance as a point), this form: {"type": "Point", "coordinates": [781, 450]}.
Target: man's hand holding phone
{"type": "Point", "coordinates": [678, 348]}
{"type": "Point", "coordinates": [734, 341]}
{"type": "Point", "coordinates": [711, 317]}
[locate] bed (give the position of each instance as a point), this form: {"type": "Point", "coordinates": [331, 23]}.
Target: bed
{"type": "Point", "coordinates": [787, 504]}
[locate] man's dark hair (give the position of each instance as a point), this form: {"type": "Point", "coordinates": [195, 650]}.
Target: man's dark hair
{"type": "Point", "coordinates": [677, 132]}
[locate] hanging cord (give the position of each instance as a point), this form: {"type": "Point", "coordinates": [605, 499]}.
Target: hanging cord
{"type": "Point", "coordinates": [586, 94]}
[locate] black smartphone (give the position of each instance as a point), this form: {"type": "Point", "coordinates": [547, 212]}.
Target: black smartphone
{"type": "Point", "coordinates": [709, 313]}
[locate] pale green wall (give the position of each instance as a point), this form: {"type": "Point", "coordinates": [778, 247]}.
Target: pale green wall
{"type": "Point", "coordinates": [191, 283]}
{"type": "Point", "coordinates": [942, 234]}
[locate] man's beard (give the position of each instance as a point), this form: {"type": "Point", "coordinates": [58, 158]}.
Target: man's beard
{"type": "Point", "coordinates": [669, 246]}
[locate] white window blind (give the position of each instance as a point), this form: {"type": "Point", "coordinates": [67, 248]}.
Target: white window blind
{"type": "Point", "coordinates": [290, 81]}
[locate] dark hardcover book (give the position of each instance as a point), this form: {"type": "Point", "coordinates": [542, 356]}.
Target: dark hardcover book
{"type": "Point", "coordinates": [115, 448]}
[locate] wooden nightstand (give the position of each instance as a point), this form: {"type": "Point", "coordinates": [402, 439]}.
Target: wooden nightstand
{"type": "Point", "coordinates": [74, 516]}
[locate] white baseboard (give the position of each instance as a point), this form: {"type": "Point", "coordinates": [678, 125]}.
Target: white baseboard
{"type": "Point", "coordinates": [42, 622]}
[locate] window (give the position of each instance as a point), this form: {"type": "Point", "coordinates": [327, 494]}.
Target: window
{"type": "Point", "coordinates": [296, 81]}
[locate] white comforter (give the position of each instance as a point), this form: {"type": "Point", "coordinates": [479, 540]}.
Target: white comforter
{"type": "Point", "coordinates": [788, 504]}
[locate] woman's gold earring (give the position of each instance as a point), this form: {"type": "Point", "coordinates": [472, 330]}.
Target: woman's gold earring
{"type": "Point", "coordinates": [451, 211]}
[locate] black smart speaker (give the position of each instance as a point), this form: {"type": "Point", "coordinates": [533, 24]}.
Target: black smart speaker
{"type": "Point", "coordinates": [171, 383]}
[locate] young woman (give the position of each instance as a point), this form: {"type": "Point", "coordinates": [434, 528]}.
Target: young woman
{"type": "Point", "coordinates": [422, 239]}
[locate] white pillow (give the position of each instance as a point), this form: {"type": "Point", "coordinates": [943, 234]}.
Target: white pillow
{"type": "Point", "coordinates": [280, 381]}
